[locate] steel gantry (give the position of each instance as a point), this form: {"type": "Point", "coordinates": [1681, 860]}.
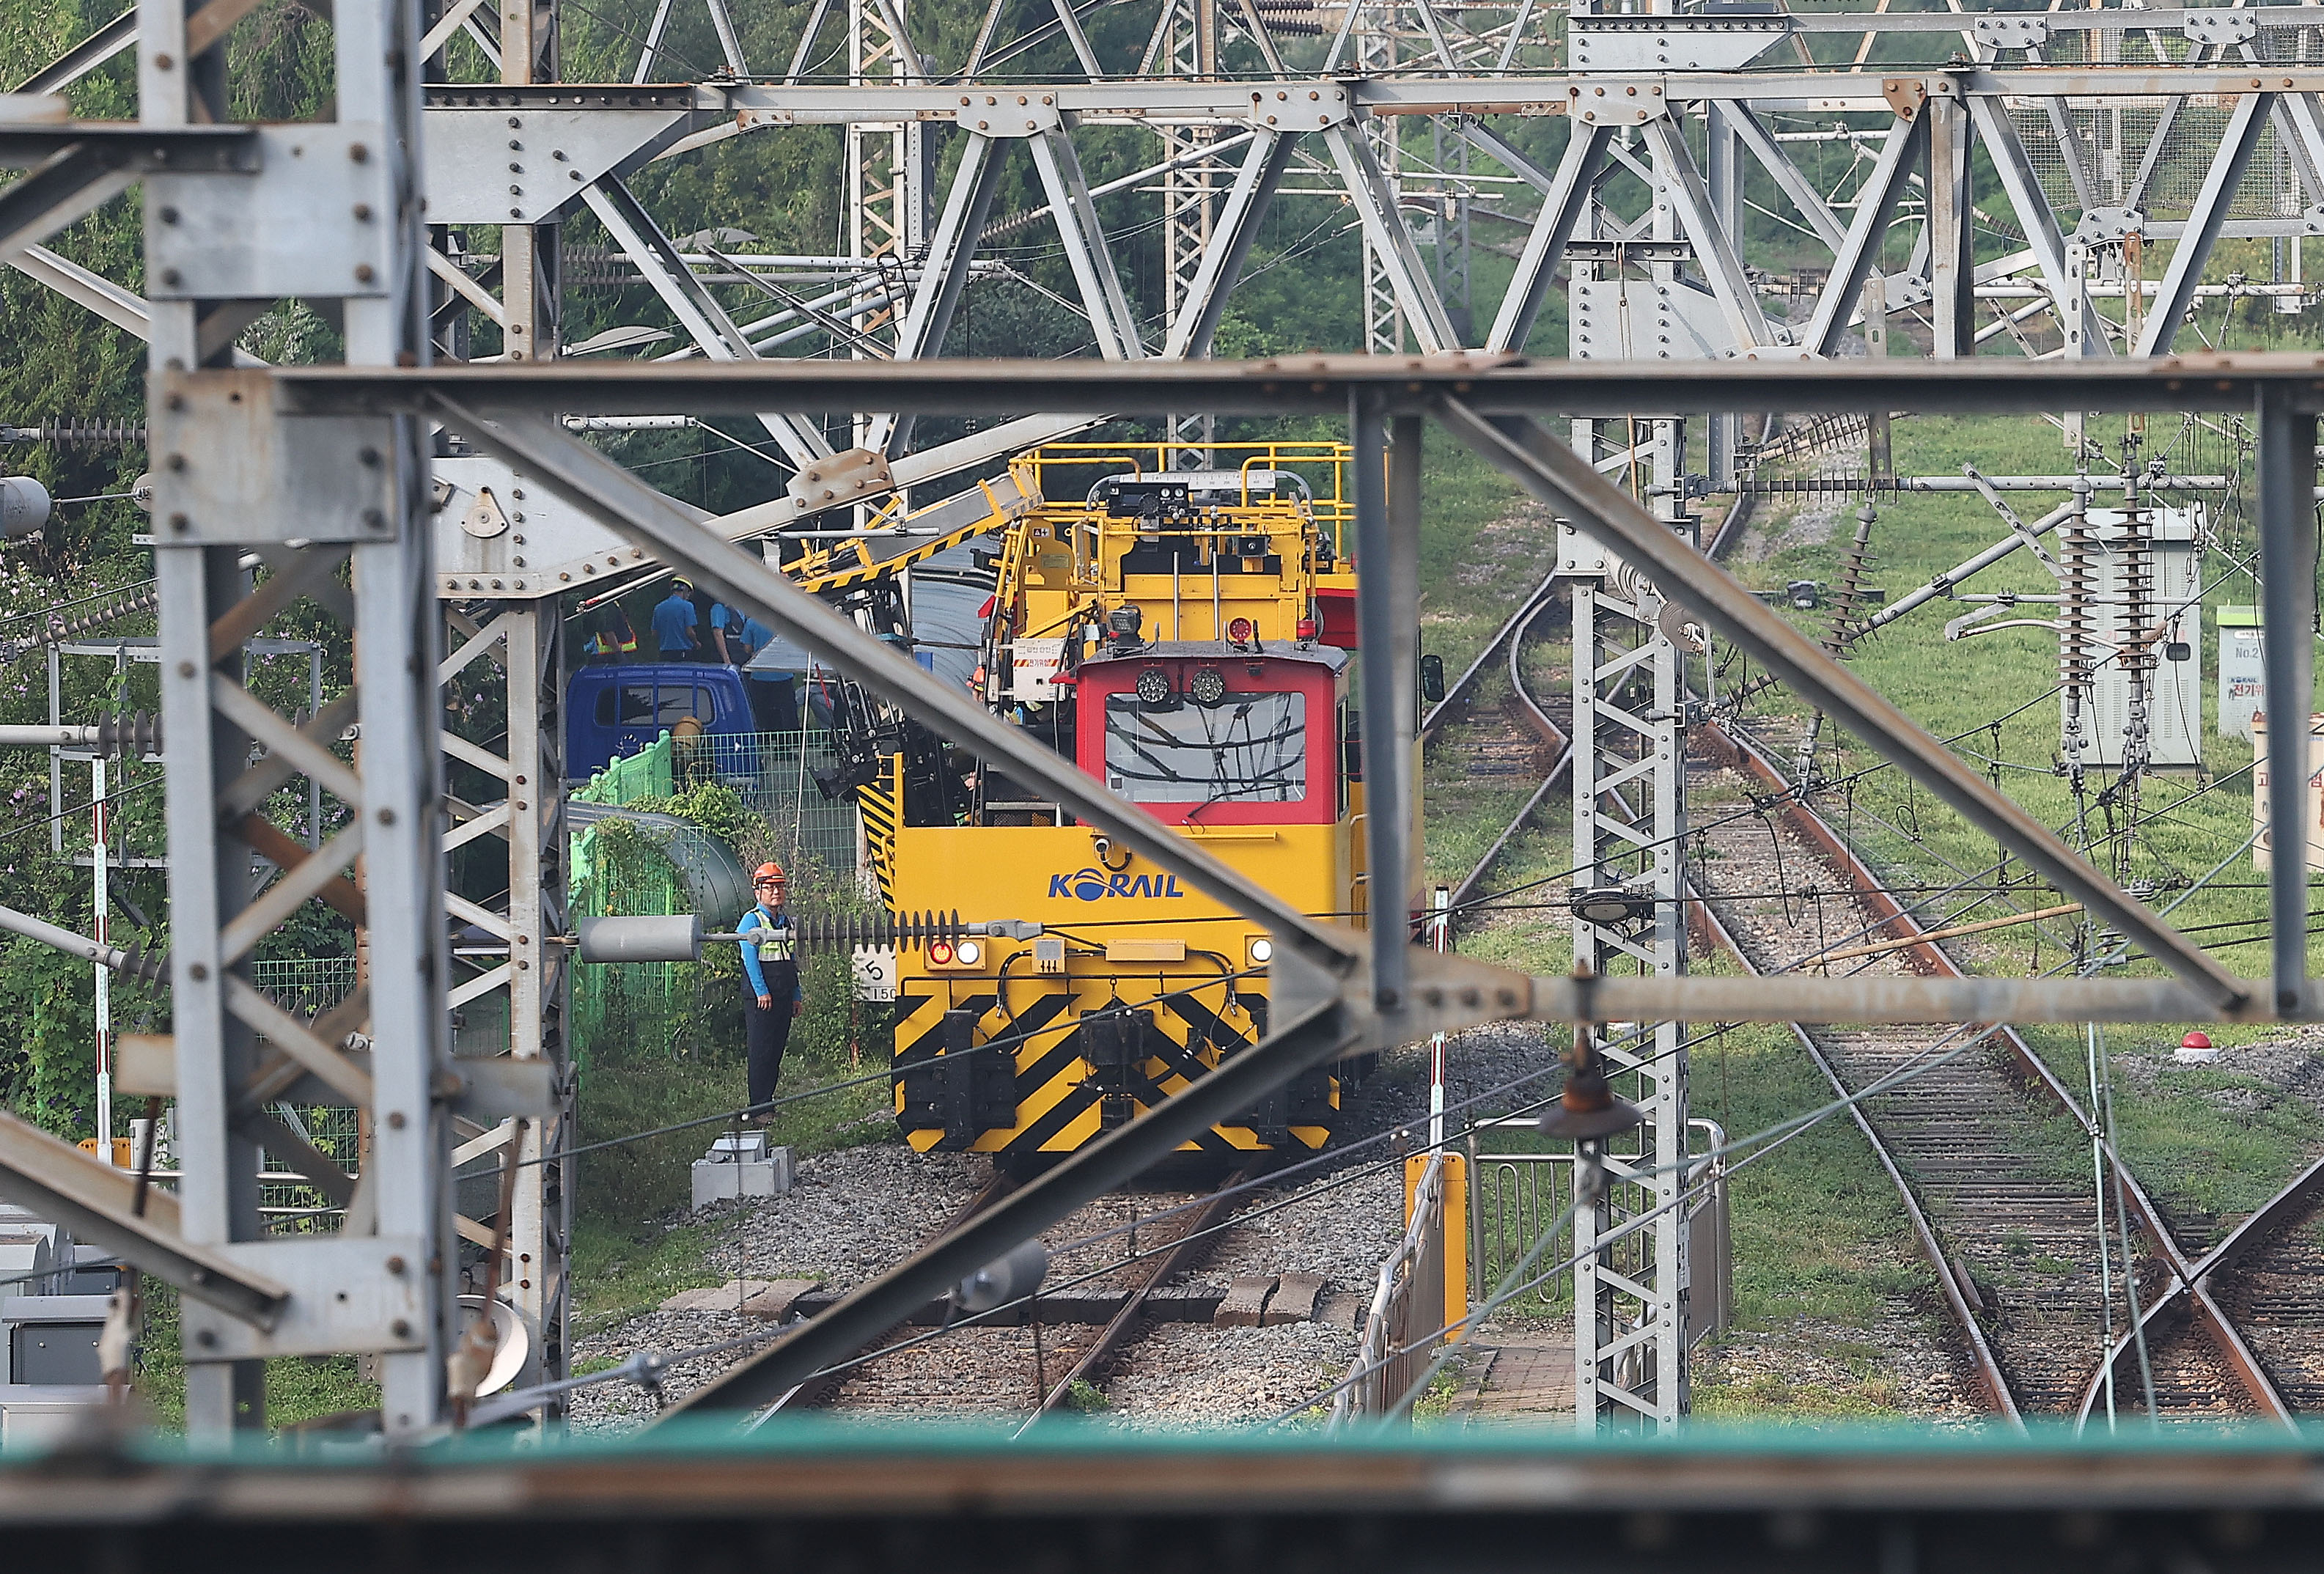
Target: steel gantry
{"type": "Point", "coordinates": [2094, 126]}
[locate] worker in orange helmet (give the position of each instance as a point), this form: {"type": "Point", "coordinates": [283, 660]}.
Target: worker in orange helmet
{"type": "Point", "coordinates": [770, 959]}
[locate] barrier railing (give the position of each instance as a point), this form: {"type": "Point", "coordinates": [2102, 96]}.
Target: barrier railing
{"type": "Point", "coordinates": [1407, 1307]}
{"type": "Point", "coordinates": [1514, 1198]}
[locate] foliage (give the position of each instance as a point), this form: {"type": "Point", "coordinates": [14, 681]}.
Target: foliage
{"type": "Point", "coordinates": [674, 1052]}
{"type": "Point", "coordinates": [298, 1388]}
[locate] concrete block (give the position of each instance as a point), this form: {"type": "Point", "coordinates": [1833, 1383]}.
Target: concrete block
{"type": "Point", "coordinates": [1344, 1310]}
{"type": "Point", "coordinates": [721, 1176]}
{"type": "Point", "coordinates": [1246, 1302]}
{"type": "Point", "coordinates": [723, 1297]}
{"type": "Point", "coordinates": [1295, 1298]}
{"type": "Point", "coordinates": [748, 1147]}
{"type": "Point", "coordinates": [774, 1302]}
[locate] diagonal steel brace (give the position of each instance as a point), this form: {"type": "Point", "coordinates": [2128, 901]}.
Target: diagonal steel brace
{"type": "Point", "coordinates": [96, 1202]}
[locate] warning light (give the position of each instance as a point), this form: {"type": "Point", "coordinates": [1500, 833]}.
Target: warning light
{"type": "Point", "coordinates": [1241, 632]}
{"type": "Point", "coordinates": [1305, 630]}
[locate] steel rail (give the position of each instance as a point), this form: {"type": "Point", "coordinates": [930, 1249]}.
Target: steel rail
{"type": "Point", "coordinates": [1476, 876]}
{"type": "Point", "coordinates": [1991, 1380]}
{"type": "Point", "coordinates": [1199, 1240]}
{"type": "Point", "coordinates": [1539, 720]}
{"type": "Point", "coordinates": [2218, 1327]}
{"type": "Point", "coordinates": [2276, 1212]}
{"type": "Point", "coordinates": [1525, 452]}
{"type": "Point", "coordinates": [822, 1389]}
{"type": "Point", "coordinates": [1524, 615]}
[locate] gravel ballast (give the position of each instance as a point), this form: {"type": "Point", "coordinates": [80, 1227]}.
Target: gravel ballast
{"type": "Point", "coordinates": [857, 1210]}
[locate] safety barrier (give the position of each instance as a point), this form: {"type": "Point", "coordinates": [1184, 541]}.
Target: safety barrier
{"type": "Point", "coordinates": [1420, 1291]}
{"type": "Point", "coordinates": [1515, 1198]}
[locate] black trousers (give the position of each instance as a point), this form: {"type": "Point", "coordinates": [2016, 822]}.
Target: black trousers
{"type": "Point", "coordinates": [767, 1033]}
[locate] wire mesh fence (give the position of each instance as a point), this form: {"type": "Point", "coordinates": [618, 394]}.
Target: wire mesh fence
{"type": "Point", "coordinates": [631, 867]}
{"type": "Point", "coordinates": [2091, 152]}
{"type": "Point", "coordinates": [773, 773]}
{"type": "Point", "coordinates": [308, 987]}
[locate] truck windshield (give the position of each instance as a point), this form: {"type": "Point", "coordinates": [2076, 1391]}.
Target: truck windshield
{"type": "Point", "coordinates": [1248, 748]}
{"type": "Point", "coordinates": [643, 704]}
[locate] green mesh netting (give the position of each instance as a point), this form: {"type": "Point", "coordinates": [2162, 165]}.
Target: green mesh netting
{"type": "Point", "coordinates": [755, 790]}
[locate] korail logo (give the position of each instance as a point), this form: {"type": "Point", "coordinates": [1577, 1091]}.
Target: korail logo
{"type": "Point", "coordinates": [1096, 885]}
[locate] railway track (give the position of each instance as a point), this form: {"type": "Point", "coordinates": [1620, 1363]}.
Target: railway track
{"type": "Point", "coordinates": [1526, 728]}
{"type": "Point", "coordinates": [821, 1392]}
{"type": "Point", "coordinates": [2235, 1330]}
{"type": "Point", "coordinates": [1036, 1360]}
{"type": "Point", "coordinates": [2001, 1203]}
{"type": "Point", "coordinates": [2001, 1199]}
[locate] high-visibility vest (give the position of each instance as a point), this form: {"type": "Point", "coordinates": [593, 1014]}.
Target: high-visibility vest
{"type": "Point", "coordinates": [619, 639]}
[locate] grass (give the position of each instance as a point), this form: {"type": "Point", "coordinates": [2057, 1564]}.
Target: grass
{"type": "Point", "coordinates": [1819, 1235]}
{"type": "Point", "coordinates": [298, 1388]}
{"type": "Point", "coordinates": [2199, 1158]}
{"type": "Point", "coordinates": [629, 1254]}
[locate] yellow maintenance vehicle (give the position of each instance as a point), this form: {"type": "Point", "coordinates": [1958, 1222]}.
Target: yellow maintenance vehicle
{"type": "Point", "coordinates": [1186, 636]}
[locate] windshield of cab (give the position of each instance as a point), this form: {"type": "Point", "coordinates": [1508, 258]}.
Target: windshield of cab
{"type": "Point", "coordinates": [1249, 748]}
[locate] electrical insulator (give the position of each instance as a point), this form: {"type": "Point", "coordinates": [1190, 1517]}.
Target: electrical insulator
{"type": "Point", "coordinates": [24, 506]}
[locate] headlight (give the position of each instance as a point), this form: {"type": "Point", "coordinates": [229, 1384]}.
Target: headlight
{"type": "Point", "coordinates": [1262, 949]}
{"type": "Point", "coordinates": [969, 952]}
{"type": "Point", "coordinates": [1153, 687]}
{"type": "Point", "coordinates": [1207, 687]}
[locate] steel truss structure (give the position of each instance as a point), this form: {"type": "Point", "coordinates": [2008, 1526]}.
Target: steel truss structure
{"type": "Point", "coordinates": [2182, 127]}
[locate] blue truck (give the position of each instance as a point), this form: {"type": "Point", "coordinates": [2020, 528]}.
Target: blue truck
{"type": "Point", "coordinates": [616, 709]}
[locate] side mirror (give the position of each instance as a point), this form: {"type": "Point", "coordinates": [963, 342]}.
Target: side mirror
{"type": "Point", "coordinates": [1432, 679]}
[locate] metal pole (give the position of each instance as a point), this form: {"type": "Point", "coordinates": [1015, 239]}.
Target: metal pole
{"type": "Point", "coordinates": [534, 1278]}
{"type": "Point", "coordinates": [101, 931]}
{"type": "Point", "coordinates": [1440, 932]}
{"type": "Point", "coordinates": [1387, 624]}
{"type": "Point", "coordinates": [2287, 543]}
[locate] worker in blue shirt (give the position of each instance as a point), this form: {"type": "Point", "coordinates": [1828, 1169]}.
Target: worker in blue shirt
{"type": "Point", "coordinates": [774, 693]}
{"type": "Point", "coordinates": [774, 996]}
{"type": "Point", "coordinates": [674, 623]}
{"type": "Point", "coordinates": [727, 635]}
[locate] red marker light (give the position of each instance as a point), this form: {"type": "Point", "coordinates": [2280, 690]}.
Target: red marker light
{"type": "Point", "coordinates": [1240, 631]}
{"type": "Point", "coordinates": [1307, 629]}
{"type": "Point", "coordinates": [940, 953]}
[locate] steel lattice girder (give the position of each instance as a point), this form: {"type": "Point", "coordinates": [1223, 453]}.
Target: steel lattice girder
{"type": "Point", "coordinates": [1459, 389]}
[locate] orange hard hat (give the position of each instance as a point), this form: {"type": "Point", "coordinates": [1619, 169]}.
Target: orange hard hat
{"type": "Point", "coordinates": [769, 871]}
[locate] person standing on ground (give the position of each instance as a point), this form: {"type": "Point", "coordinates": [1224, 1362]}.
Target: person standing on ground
{"type": "Point", "coordinates": [775, 996]}
{"type": "Point", "coordinates": [727, 635]}
{"type": "Point", "coordinates": [774, 699]}
{"type": "Point", "coordinates": [674, 623]}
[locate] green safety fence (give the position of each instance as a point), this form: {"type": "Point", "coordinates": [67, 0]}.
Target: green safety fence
{"type": "Point", "coordinates": [616, 869]}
